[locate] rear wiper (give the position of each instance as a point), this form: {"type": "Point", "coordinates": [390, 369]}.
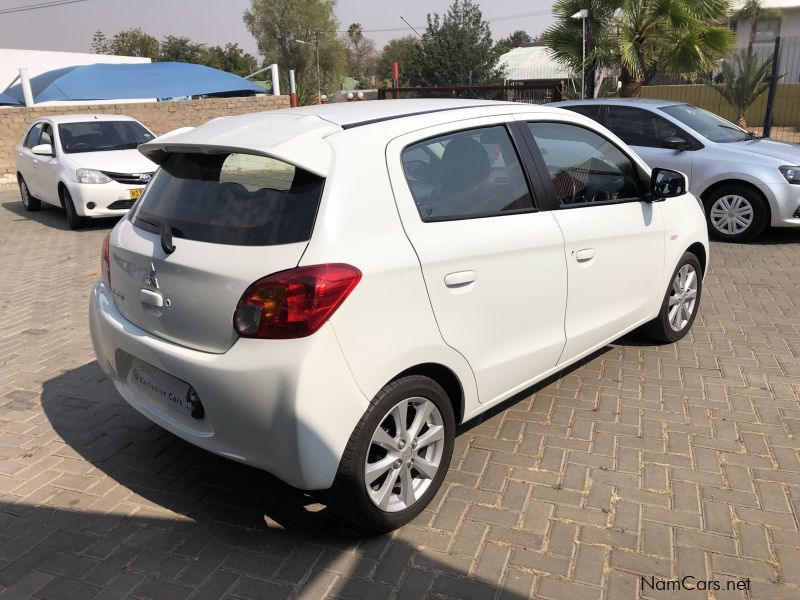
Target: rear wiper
{"type": "Point", "coordinates": [166, 231]}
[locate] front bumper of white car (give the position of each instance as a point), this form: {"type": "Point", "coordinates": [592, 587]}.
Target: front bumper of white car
{"type": "Point", "coordinates": [103, 199]}
{"type": "Point", "coordinates": [285, 406]}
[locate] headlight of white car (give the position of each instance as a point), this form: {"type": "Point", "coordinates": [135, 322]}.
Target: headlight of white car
{"type": "Point", "coordinates": [792, 174]}
{"type": "Point", "coordinates": [92, 176]}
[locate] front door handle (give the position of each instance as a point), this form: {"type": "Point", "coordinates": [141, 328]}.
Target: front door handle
{"type": "Point", "coordinates": [584, 254]}
{"type": "Point", "coordinates": [460, 278]}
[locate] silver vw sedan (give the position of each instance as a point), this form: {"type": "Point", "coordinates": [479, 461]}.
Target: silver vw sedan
{"type": "Point", "coordinates": [745, 183]}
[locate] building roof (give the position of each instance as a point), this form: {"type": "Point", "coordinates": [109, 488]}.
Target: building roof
{"type": "Point", "coordinates": [737, 4]}
{"type": "Point", "coordinates": [133, 81]}
{"type": "Point", "coordinates": [533, 63]}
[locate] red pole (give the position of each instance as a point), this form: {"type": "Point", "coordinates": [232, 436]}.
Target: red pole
{"type": "Point", "coordinates": [292, 90]}
{"type": "Point", "coordinates": [396, 76]}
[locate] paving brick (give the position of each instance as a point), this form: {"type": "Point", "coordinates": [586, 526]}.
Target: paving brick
{"type": "Point", "coordinates": [642, 460]}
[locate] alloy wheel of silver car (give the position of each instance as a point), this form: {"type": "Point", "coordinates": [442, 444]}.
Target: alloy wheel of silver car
{"type": "Point", "coordinates": [731, 214]}
{"type": "Point", "coordinates": [404, 454]}
{"type": "Point", "coordinates": [683, 298]}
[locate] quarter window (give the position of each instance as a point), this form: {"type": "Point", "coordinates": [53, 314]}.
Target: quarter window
{"type": "Point", "coordinates": [474, 173]}
{"type": "Point", "coordinates": [584, 167]}
{"type": "Point", "coordinates": [639, 127]}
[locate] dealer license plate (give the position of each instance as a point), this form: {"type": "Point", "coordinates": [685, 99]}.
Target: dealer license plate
{"type": "Point", "coordinates": [154, 383]}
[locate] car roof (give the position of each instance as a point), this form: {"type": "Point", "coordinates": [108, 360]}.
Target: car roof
{"type": "Point", "coordinates": [59, 119]}
{"type": "Point", "coordinates": [651, 102]}
{"type": "Point", "coordinates": [294, 134]}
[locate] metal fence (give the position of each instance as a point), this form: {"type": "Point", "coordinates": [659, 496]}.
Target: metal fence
{"type": "Point", "coordinates": [530, 93]}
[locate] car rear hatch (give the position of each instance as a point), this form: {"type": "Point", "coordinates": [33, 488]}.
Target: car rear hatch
{"type": "Point", "coordinates": [212, 221]}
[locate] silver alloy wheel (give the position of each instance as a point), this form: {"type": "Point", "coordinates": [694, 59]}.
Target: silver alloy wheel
{"type": "Point", "coordinates": [731, 214]}
{"type": "Point", "coordinates": [26, 195]}
{"type": "Point", "coordinates": [404, 454]}
{"type": "Point", "coordinates": [683, 298]}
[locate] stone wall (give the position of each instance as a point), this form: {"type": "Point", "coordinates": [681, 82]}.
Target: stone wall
{"type": "Point", "coordinates": [160, 117]}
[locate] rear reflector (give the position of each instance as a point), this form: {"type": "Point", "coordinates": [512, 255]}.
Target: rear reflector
{"type": "Point", "coordinates": [294, 303]}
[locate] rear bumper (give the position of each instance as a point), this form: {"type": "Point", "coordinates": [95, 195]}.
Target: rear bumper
{"type": "Point", "coordinates": [102, 196]}
{"type": "Point", "coordinates": [285, 406]}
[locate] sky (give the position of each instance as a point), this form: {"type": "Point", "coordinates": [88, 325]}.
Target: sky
{"type": "Point", "coordinates": [70, 27]}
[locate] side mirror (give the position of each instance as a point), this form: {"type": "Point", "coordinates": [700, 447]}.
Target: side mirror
{"type": "Point", "coordinates": [665, 183]}
{"type": "Point", "coordinates": [43, 150]}
{"type": "Point", "coordinates": [674, 142]}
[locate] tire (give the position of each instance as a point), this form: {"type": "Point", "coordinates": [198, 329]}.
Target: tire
{"type": "Point", "coordinates": [30, 203]}
{"type": "Point", "coordinates": [397, 459]}
{"type": "Point", "coordinates": [747, 207]}
{"type": "Point", "coordinates": [74, 220]}
{"type": "Point", "coordinates": [669, 327]}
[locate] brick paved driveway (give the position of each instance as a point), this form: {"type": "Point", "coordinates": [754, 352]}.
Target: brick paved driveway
{"type": "Point", "coordinates": [643, 461]}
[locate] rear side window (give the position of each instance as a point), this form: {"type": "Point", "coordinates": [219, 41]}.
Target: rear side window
{"type": "Point", "coordinates": [587, 110]}
{"type": "Point", "coordinates": [231, 198]}
{"type": "Point", "coordinates": [474, 173]}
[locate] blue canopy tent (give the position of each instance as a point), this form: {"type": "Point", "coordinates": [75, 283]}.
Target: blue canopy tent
{"type": "Point", "coordinates": [8, 101]}
{"type": "Point", "coordinates": [162, 80]}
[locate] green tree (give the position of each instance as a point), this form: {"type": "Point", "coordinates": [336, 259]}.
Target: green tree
{"type": "Point", "coordinates": [401, 50]}
{"type": "Point", "coordinates": [755, 13]}
{"type": "Point", "coordinates": [456, 48]}
{"type": "Point", "coordinates": [180, 49]}
{"type": "Point", "coordinates": [361, 53]}
{"type": "Point", "coordinates": [134, 42]}
{"type": "Point", "coordinates": [515, 40]}
{"type": "Point", "coordinates": [279, 25]}
{"type": "Point", "coordinates": [744, 79]}
{"type": "Point", "coordinates": [231, 58]}
{"type": "Point", "coordinates": [643, 37]}
{"type": "Point", "coordinates": [99, 43]}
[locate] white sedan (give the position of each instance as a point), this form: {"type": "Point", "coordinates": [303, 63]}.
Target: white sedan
{"type": "Point", "coordinates": [86, 164]}
{"type": "Point", "coordinates": [326, 292]}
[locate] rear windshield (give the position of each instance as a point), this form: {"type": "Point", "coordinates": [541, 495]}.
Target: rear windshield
{"type": "Point", "coordinates": [229, 198]}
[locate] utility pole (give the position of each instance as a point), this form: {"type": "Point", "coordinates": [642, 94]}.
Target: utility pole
{"type": "Point", "coordinates": [319, 79]}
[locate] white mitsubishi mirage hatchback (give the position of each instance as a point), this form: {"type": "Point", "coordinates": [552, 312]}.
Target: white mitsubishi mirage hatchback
{"type": "Point", "coordinates": [326, 292]}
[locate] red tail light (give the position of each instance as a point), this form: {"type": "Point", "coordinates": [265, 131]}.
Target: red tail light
{"type": "Point", "coordinates": [105, 261]}
{"type": "Point", "coordinates": [294, 303]}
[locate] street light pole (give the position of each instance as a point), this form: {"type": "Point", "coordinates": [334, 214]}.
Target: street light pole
{"type": "Point", "coordinates": [316, 47]}
{"type": "Point", "coordinates": [582, 14]}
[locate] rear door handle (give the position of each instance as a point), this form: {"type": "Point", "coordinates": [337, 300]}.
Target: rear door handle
{"type": "Point", "coordinates": [584, 254]}
{"type": "Point", "coordinates": [460, 278]}
{"type": "Point", "coordinates": [151, 298]}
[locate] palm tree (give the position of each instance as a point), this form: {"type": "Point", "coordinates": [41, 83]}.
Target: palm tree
{"type": "Point", "coordinates": [642, 37]}
{"type": "Point", "coordinates": [744, 81]}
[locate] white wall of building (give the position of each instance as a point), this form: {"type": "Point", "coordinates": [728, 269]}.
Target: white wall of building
{"type": "Point", "coordinates": [41, 61]}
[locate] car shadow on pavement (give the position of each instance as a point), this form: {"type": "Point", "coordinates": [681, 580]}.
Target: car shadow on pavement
{"type": "Point", "coordinates": [157, 497]}
{"type": "Point", "coordinates": [778, 235]}
{"type": "Point", "coordinates": [54, 217]}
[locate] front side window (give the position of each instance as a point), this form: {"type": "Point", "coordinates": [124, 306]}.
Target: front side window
{"type": "Point", "coordinates": [467, 174]}
{"type": "Point", "coordinates": [231, 198]}
{"type": "Point", "coordinates": [33, 135]}
{"type": "Point", "coordinates": [99, 136]}
{"type": "Point", "coordinates": [588, 110]}
{"type": "Point", "coordinates": [639, 127]}
{"type": "Point", "coordinates": [584, 166]}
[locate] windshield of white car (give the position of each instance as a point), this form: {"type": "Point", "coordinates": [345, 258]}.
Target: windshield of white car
{"type": "Point", "coordinates": [710, 126]}
{"type": "Point", "coordinates": [102, 136]}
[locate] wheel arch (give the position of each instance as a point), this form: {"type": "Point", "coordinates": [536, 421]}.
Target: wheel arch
{"type": "Point", "coordinates": [706, 193]}
{"type": "Point", "coordinates": [446, 378]}
{"type": "Point", "coordinates": [61, 188]}
{"type": "Point", "coordinates": [700, 252]}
